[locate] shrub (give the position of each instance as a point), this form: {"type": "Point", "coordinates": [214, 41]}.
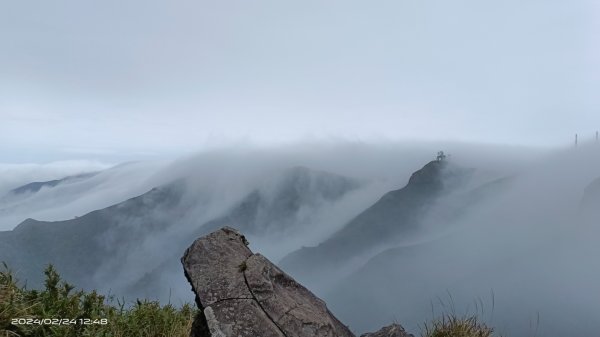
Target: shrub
{"type": "Point", "coordinates": [58, 300]}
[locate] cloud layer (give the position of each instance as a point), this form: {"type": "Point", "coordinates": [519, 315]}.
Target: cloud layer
{"type": "Point", "coordinates": [164, 78]}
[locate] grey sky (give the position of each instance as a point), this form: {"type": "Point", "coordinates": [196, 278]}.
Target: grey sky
{"type": "Point", "coordinates": [142, 78]}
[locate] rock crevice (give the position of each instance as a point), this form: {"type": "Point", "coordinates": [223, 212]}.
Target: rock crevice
{"type": "Point", "coordinates": [259, 304]}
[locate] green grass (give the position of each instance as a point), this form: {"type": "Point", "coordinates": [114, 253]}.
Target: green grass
{"type": "Point", "coordinates": [452, 324]}
{"type": "Point", "coordinates": [59, 300]}
{"type": "Point", "coordinates": [455, 326]}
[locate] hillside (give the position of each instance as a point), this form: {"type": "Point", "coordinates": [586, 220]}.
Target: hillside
{"type": "Point", "coordinates": [110, 248]}
{"type": "Point", "coordinates": [78, 246]}
{"type": "Point", "coordinates": [38, 185]}
{"type": "Point", "coordinates": [271, 211]}
{"type": "Point", "coordinates": [396, 215]}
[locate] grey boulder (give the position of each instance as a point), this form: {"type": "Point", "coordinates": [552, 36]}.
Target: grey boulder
{"type": "Point", "coordinates": [394, 330]}
{"type": "Point", "coordinates": [243, 294]}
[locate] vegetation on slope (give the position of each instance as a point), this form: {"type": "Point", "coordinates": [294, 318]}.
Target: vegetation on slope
{"type": "Point", "coordinates": [58, 310]}
{"type": "Point", "coordinates": [455, 326]}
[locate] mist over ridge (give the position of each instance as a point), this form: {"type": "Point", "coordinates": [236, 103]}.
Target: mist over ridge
{"type": "Point", "coordinates": [399, 159]}
{"type": "Point", "coordinates": [502, 212]}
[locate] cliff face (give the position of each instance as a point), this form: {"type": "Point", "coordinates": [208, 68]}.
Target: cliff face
{"type": "Point", "coordinates": [243, 294]}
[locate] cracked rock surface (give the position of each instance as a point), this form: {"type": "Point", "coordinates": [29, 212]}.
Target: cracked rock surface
{"type": "Point", "coordinates": [243, 294]}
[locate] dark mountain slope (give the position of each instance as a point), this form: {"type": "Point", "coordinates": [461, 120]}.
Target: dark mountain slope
{"type": "Point", "coordinates": [591, 195]}
{"type": "Point", "coordinates": [589, 208]}
{"type": "Point", "coordinates": [106, 245]}
{"type": "Point", "coordinates": [285, 205]}
{"type": "Point", "coordinates": [78, 246]}
{"type": "Point", "coordinates": [396, 214]}
{"type": "Point", "coordinates": [38, 185]}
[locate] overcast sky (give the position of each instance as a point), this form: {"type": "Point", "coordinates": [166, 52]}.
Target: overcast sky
{"type": "Point", "coordinates": [129, 79]}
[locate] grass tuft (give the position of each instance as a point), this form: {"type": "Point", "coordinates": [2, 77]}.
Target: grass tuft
{"type": "Point", "coordinates": [243, 267]}
{"type": "Point", "coordinates": [454, 326]}
{"type": "Point", "coordinates": [59, 300]}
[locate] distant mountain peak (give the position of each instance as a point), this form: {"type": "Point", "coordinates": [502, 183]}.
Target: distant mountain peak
{"type": "Point", "coordinates": [36, 186]}
{"type": "Point", "coordinates": [275, 205]}
{"type": "Point", "coordinates": [430, 173]}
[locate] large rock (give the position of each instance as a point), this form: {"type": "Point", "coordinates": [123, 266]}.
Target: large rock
{"type": "Point", "coordinates": [243, 294]}
{"type": "Point", "coordinates": [394, 330]}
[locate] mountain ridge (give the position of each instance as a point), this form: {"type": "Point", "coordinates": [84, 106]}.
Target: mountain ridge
{"type": "Point", "coordinates": [396, 214]}
{"type": "Point", "coordinates": [81, 246]}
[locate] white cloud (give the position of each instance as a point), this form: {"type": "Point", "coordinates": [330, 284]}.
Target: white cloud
{"type": "Point", "coordinates": [180, 75]}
